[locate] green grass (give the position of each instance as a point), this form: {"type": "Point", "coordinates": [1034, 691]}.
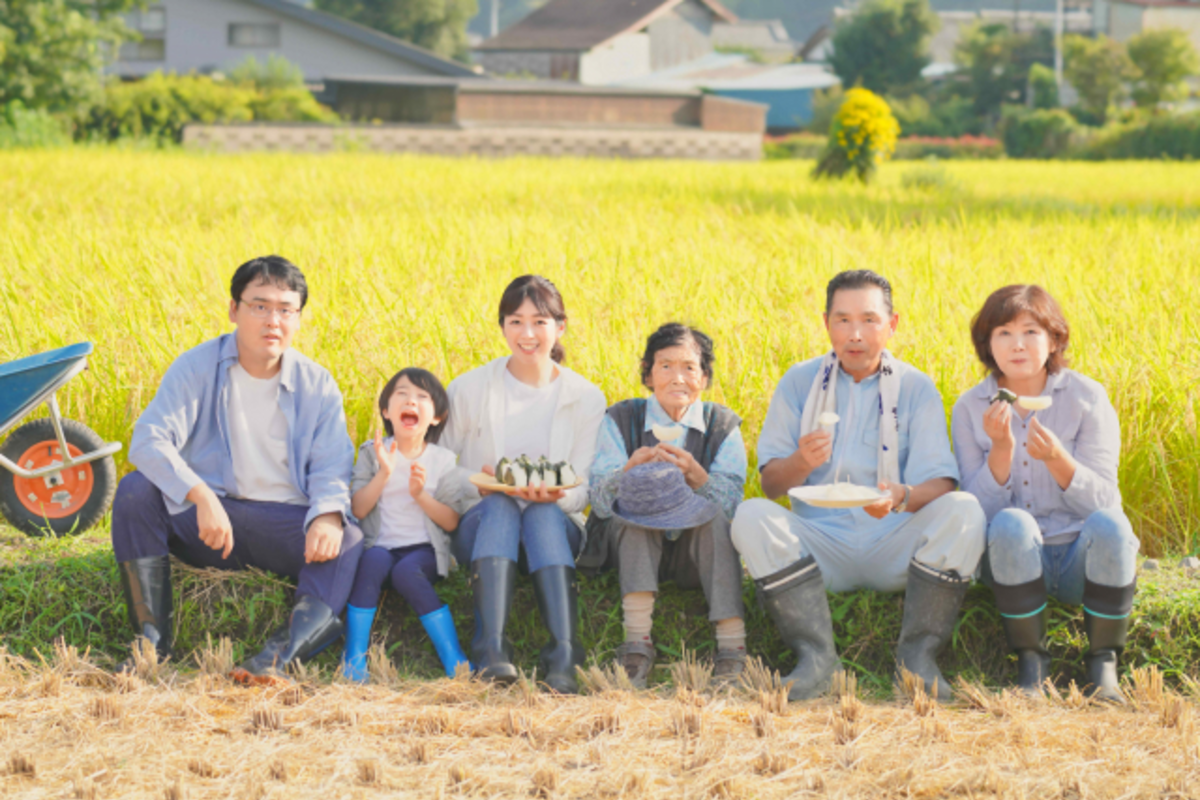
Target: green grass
{"type": "Point", "coordinates": [68, 588]}
{"type": "Point", "coordinates": [406, 258]}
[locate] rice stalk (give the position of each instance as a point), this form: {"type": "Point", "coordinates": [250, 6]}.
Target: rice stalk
{"type": "Point", "coordinates": [215, 661]}
{"type": "Point", "coordinates": [690, 673]}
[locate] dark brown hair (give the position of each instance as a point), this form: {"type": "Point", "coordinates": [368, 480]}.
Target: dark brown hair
{"type": "Point", "coordinates": [1006, 304]}
{"type": "Point", "coordinates": [545, 298]}
{"type": "Point", "coordinates": [422, 379]}
{"type": "Point", "coordinates": [671, 335]}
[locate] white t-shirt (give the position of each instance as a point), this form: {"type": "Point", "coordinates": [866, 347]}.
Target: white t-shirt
{"type": "Point", "coordinates": [258, 440]}
{"type": "Point", "coordinates": [528, 412]}
{"type": "Point", "coordinates": [401, 520]}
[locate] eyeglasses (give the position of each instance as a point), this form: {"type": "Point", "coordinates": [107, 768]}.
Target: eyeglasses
{"type": "Point", "coordinates": [260, 311]}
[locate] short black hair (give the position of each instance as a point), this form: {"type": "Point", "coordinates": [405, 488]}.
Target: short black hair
{"type": "Point", "coordinates": [671, 335]}
{"type": "Point", "coordinates": [275, 270]}
{"type": "Point", "coordinates": [422, 379]}
{"type": "Point", "coordinates": [858, 279]}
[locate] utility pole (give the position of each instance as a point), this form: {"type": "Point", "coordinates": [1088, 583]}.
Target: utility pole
{"type": "Point", "coordinates": [495, 17]}
{"type": "Point", "coordinates": [1058, 45]}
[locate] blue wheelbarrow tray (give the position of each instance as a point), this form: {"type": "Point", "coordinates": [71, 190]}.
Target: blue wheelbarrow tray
{"type": "Point", "coordinates": [27, 383]}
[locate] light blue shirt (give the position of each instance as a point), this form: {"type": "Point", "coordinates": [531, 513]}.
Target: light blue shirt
{"type": "Point", "coordinates": [726, 475]}
{"type": "Point", "coordinates": [1084, 421]}
{"type": "Point", "coordinates": [182, 438]}
{"type": "Point", "coordinates": [924, 444]}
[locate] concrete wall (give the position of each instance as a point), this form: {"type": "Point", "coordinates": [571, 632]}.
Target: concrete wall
{"type": "Point", "coordinates": [197, 38]}
{"type": "Point", "coordinates": [1185, 19]}
{"type": "Point", "coordinates": [495, 143]}
{"type": "Point", "coordinates": [682, 35]}
{"type": "Point", "coordinates": [1124, 21]}
{"type": "Point", "coordinates": [625, 57]}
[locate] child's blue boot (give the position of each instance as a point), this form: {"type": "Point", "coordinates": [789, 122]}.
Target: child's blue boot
{"type": "Point", "coordinates": [440, 627]}
{"type": "Point", "coordinates": [358, 639]}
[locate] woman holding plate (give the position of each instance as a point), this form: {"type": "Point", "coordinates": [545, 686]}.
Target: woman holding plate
{"type": "Point", "coordinates": [526, 404]}
{"type": "Point", "coordinates": [1039, 445]}
{"type": "Point", "coordinates": [655, 530]}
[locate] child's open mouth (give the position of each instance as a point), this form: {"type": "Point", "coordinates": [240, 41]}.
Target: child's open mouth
{"type": "Point", "coordinates": [409, 419]}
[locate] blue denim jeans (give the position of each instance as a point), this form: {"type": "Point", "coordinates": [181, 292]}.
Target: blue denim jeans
{"type": "Point", "coordinates": [498, 528]}
{"type": "Point", "coordinates": [1105, 553]}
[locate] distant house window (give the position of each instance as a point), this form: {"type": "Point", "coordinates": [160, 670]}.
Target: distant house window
{"type": "Point", "coordinates": [253, 34]}
{"type": "Point", "coordinates": [151, 23]}
{"type": "Point", "coordinates": [153, 20]}
{"type": "Point", "coordinates": [146, 50]}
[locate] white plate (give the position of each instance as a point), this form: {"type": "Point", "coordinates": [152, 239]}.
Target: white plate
{"type": "Point", "coordinates": [815, 496]}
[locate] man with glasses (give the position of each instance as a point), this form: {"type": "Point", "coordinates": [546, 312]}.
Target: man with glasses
{"type": "Point", "coordinates": [243, 460]}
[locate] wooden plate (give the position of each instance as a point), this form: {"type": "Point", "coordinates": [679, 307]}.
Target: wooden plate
{"type": "Point", "coordinates": [485, 481]}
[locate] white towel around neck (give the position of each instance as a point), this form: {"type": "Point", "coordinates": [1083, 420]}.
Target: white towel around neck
{"type": "Point", "coordinates": [822, 397]}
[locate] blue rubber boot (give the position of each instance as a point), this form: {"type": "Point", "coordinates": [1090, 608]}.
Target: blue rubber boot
{"type": "Point", "coordinates": [440, 627]}
{"type": "Point", "coordinates": [358, 639]}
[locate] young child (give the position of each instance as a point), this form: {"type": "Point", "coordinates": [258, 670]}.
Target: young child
{"type": "Point", "coordinates": [394, 484]}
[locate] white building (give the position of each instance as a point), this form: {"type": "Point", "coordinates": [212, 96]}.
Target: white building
{"type": "Point", "coordinates": [599, 42]}
{"type": "Point", "coordinates": [1123, 19]}
{"type": "Point", "coordinates": [207, 35]}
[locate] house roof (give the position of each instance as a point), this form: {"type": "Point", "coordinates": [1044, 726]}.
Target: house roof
{"type": "Point", "coordinates": [578, 25]}
{"type": "Point", "coordinates": [365, 36]}
{"type": "Point", "coordinates": [734, 72]}
{"type": "Point", "coordinates": [1161, 3]}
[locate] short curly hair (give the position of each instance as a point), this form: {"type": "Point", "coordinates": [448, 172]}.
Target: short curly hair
{"type": "Point", "coordinates": [671, 335]}
{"type": "Point", "coordinates": [1006, 304]}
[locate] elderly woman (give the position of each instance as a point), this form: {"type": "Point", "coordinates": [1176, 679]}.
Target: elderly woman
{"type": "Point", "coordinates": [1039, 445]}
{"type": "Point", "coordinates": [703, 441]}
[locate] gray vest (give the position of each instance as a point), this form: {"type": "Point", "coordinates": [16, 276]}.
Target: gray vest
{"type": "Point", "coordinates": [719, 422]}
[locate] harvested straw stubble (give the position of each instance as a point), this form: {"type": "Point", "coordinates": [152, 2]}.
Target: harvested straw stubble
{"type": "Point", "coordinates": [199, 739]}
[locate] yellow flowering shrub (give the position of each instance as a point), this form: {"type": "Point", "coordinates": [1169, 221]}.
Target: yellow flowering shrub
{"type": "Point", "coordinates": [862, 135]}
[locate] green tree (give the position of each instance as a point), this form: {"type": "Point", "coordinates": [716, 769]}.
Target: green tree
{"type": "Point", "coordinates": [437, 25]}
{"type": "Point", "coordinates": [997, 64]}
{"type": "Point", "coordinates": [53, 52]}
{"type": "Point", "coordinates": [884, 45]}
{"type": "Point", "coordinates": [1098, 69]}
{"type": "Point", "coordinates": [1044, 86]}
{"type": "Point", "coordinates": [1164, 59]}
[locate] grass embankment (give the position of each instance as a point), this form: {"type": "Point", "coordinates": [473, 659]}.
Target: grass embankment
{"type": "Point", "coordinates": [406, 259]}
{"type": "Point", "coordinates": [68, 588]}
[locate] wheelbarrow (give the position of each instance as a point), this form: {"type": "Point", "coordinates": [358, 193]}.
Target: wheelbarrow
{"type": "Point", "coordinates": [56, 475]}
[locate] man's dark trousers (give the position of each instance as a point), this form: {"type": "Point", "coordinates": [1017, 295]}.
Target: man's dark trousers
{"type": "Point", "coordinates": [270, 536]}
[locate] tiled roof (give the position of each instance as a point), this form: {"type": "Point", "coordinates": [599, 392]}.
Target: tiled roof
{"type": "Point", "coordinates": [367, 37]}
{"type": "Point", "coordinates": [577, 25]}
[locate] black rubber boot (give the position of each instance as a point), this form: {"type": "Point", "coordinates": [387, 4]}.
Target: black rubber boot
{"type": "Point", "coordinates": [311, 628]}
{"type": "Point", "coordinates": [1023, 612]}
{"type": "Point", "coordinates": [558, 602]}
{"type": "Point", "coordinates": [1027, 637]}
{"type": "Point", "coordinates": [493, 581]}
{"type": "Point", "coordinates": [795, 599]}
{"type": "Point", "coordinates": [1106, 642]}
{"type": "Point", "coordinates": [931, 605]}
{"type": "Point", "coordinates": [146, 584]}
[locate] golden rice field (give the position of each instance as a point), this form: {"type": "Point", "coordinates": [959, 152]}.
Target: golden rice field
{"type": "Point", "coordinates": [71, 730]}
{"type": "Point", "coordinates": [406, 258]}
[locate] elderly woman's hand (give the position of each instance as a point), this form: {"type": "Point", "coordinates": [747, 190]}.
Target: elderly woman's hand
{"type": "Point", "coordinates": [643, 455]}
{"type": "Point", "coordinates": [695, 475]}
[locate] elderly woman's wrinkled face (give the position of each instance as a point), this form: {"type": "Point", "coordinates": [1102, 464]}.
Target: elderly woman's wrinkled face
{"type": "Point", "coordinates": [677, 378]}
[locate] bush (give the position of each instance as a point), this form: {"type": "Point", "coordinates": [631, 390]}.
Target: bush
{"type": "Point", "coordinates": [22, 127]}
{"type": "Point", "coordinates": [1175, 137]}
{"type": "Point", "coordinates": [951, 117]}
{"type": "Point", "coordinates": [159, 106]}
{"type": "Point", "coordinates": [863, 134]}
{"type": "Point", "coordinates": [919, 147]}
{"type": "Point", "coordinates": [1042, 133]}
{"type": "Point", "coordinates": [800, 145]}
{"type": "Point", "coordinates": [1044, 86]}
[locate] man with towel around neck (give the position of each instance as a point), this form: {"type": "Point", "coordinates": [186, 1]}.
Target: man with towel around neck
{"type": "Point", "coordinates": [923, 536]}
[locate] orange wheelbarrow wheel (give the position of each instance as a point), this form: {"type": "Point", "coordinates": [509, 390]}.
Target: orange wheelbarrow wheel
{"type": "Point", "coordinates": [61, 503]}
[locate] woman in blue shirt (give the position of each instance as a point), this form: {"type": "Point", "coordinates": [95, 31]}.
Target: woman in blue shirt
{"type": "Point", "coordinates": [1045, 472]}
